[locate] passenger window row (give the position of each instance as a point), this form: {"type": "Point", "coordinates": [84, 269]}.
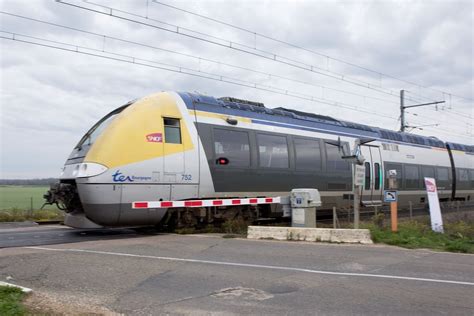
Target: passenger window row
{"type": "Point", "coordinates": [233, 147]}
{"type": "Point", "coordinates": [410, 176]}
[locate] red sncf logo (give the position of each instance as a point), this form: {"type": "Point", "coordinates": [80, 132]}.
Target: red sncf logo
{"type": "Point", "coordinates": [154, 138]}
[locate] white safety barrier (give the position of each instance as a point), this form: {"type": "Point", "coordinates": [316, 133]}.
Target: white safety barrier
{"type": "Point", "coordinates": [205, 203]}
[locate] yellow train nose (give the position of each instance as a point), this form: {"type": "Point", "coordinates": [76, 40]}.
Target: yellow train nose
{"type": "Point", "coordinates": [136, 133]}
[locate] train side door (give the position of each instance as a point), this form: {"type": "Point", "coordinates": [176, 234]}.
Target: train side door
{"type": "Point", "coordinates": [173, 150]}
{"type": "Point", "coordinates": [181, 154]}
{"type": "Point", "coordinates": [377, 175]}
{"type": "Point", "coordinates": [371, 192]}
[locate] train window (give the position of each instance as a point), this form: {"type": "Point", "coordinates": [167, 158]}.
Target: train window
{"type": "Point", "coordinates": [377, 176]}
{"type": "Point", "coordinates": [334, 160]}
{"type": "Point", "coordinates": [172, 131]}
{"type": "Point", "coordinates": [308, 154]}
{"type": "Point", "coordinates": [442, 178]}
{"type": "Point", "coordinates": [233, 146]}
{"type": "Point", "coordinates": [463, 175]}
{"type": "Point", "coordinates": [443, 174]}
{"type": "Point", "coordinates": [398, 168]}
{"type": "Point", "coordinates": [99, 127]}
{"type": "Point", "coordinates": [273, 151]}
{"type": "Point", "coordinates": [428, 172]}
{"type": "Point", "coordinates": [412, 177]}
{"type": "Point", "coordinates": [367, 176]}
{"type": "Point", "coordinates": [471, 176]}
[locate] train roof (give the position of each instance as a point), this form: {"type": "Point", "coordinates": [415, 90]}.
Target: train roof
{"type": "Point", "coordinates": [307, 117]}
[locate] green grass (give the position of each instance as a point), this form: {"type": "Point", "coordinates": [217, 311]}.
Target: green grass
{"type": "Point", "coordinates": [16, 215]}
{"type": "Point", "coordinates": [458, 236]}
{"type": "Point", "coordinates": [19, 203]}
{"type": "Point", "coordinates": [21, 197]}
{"type": "Point", "coordinates": [10, 301]}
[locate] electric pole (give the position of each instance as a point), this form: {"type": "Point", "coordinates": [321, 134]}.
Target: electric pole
{"type": "Point", "coordinates": [403, 107]}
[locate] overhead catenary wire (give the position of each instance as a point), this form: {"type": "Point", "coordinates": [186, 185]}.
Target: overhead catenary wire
{"type": "Point", "coordinates": [439, 118]}
{"type": "Point", "coordinates": [468, 136]}
{"type": "Point", "coordinates": [142, 62]}
{"type": "Point", "coordinates": [418, 123]}
{"type": "Point", "coordinates": [177, 69]}
{"type": "Point", "coordinates": [428, 125]}
{"type": "Point", "coordinates": [227, 44]}
{"type": "Point", "coordinates": [424, 99]}
{"type": "Point", "coordinates": [200, 58]}
{"type": "Point", "coordinates": [282, 91]}
{"type": "Point", "coordinates": [257, 34]}
{"type": "Point", "coordinates": [104, 36]}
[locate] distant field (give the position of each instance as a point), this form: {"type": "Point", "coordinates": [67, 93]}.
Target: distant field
{"type": "Point", "coordinates": [23, 197]}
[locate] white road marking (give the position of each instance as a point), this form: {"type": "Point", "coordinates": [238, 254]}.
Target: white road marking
{"type": "Point", "coordinates": [260, 266]}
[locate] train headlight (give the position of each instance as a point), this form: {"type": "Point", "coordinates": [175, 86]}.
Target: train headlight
{"type": "Point", "coordinates": [89, 169]}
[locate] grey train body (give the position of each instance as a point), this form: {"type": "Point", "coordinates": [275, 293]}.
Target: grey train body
{"type": "Point", "coordinates": [182, 146]}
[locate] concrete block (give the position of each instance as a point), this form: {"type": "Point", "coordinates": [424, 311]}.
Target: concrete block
{"type": "Point", "coordinates": [22, 288]}
{"type": "Point", "coordinates": [361, 236]}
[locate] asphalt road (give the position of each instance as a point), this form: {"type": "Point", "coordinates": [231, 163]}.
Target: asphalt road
{"type": "Point", "coordinates": [194, 274]}
{"type": "Point", "coordinates": [18, 235]}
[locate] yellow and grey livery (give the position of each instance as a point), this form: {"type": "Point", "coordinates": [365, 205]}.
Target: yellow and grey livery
{"type": "Point", "coordinates": [177, 146]}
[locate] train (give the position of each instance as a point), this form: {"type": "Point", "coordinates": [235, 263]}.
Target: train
{"type": "Point", "coordinates": [174, 149]}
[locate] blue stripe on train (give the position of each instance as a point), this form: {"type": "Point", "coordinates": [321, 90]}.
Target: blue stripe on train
{"type": "Point", "coordinates": [281, 121]}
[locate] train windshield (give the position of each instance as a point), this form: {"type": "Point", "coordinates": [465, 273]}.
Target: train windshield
{"type": "Point", "coordinates": [90, 137]}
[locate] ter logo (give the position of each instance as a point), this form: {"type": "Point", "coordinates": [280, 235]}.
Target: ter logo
{"type": "Point", "coordinates": [119, 177]}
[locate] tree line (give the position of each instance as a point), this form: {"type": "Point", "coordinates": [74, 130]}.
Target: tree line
{"type": "Point", "coordinates": [44, 181]}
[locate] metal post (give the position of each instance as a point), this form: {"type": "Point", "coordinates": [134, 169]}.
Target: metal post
{"type": "Point", "coordinates": [394, 216]}
{"type": "Point", "coordinates": [402, 110]}
{"type": "Point", "coordinates": [392, 184]}
{"type": "Point", "coordinates": [403, 125]}
{"type": "Point", "coordinates": [356, 207]}
{"type": "Point", "coordinates": [356, 201]}
{"type": "Point", "coordinates": [334, 217]}
{"type": "Point", "coordinates": [31, 207]}
{"type": "Point", "coordinates": [411, 209]}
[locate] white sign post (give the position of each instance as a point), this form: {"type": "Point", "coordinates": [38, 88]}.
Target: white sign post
{"type": "Point", "coordinates": [359, 175]}
{"type": "Point", "coordinates": [435, 210]}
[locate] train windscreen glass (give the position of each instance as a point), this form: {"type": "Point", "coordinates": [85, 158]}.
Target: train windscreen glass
{"type": "Point", "coordinates": [98, 128]}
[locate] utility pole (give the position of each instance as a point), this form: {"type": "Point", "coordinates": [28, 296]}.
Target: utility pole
{"type": "Point", "coordinates": [403, 107]}
{"type": "Point", "coordinates": [402, 110]}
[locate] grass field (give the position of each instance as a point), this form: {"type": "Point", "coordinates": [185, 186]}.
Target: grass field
{"type": "Point", "coordinates": [19, 203]}
{"type": "Point", "coordinates": [23, 197]}
{"type": "Point", "coordinates": [458, 233]}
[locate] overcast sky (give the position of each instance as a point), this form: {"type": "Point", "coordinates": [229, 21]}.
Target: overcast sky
{"type": "Point", "coordinates": [50, 97]}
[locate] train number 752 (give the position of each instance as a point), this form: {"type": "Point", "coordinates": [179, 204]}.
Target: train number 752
{"type": "Point", "coordinates": [186, 177]}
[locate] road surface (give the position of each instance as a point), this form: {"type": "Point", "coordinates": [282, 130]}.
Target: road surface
{"type": "Point", "coordinates": [207, 274]}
